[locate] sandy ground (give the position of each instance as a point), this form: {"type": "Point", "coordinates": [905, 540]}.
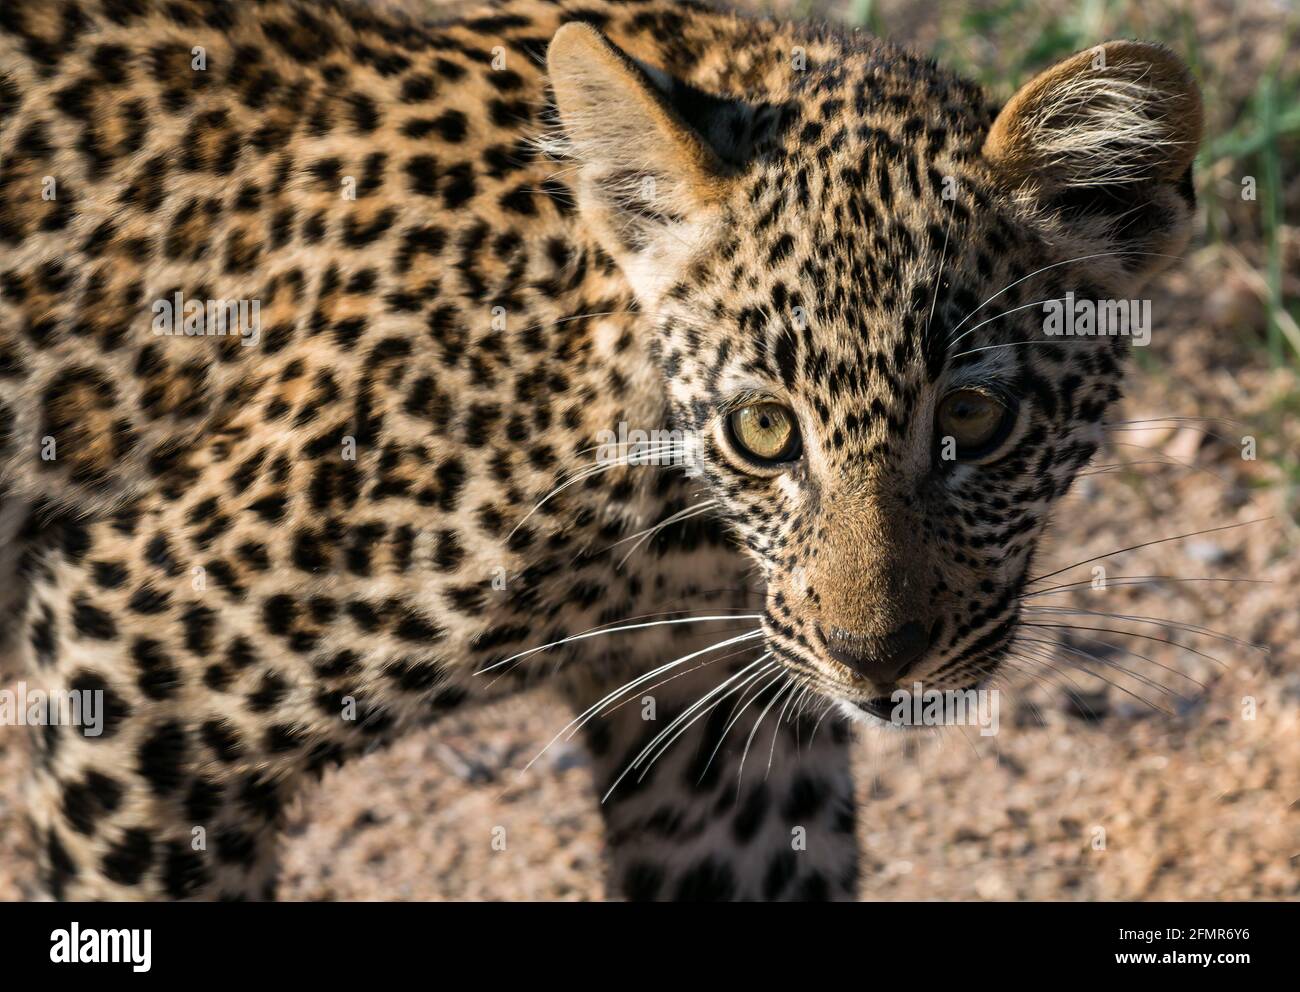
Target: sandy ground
{"type": "Point", "coordinates": [1181, 780]}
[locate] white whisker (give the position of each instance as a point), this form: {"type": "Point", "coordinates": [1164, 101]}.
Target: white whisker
{"type": "Point", "coordinates": [1146, 544]}
{"type": "Point", "coordinates": [740, 772]}
{"type": "Point", "coordinates": [737, 712]}
{"type": "Point", "coordinates": [682, 716]}
{"type": "Point", "coordinates": [663, 749]}
{"type": "Point", "coordinates": [648, 534]}
{"type": "Point", "coordinates": [1054, 265]}
{"type": "Point", "coordinates": [642, 455]}
{"type": "Point", "coordinates": [616, 630]}
{"type": "Point", "coordinates": [576, 724]}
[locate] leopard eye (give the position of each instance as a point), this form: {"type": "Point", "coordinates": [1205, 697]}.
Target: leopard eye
{"type": "Point", "coordinates": [765, 432]}
{"type": "Point", "coordinates": [975, 421]}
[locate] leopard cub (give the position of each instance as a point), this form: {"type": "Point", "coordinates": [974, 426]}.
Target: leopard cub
{"type": "Point", "coordinates": [311, 321]}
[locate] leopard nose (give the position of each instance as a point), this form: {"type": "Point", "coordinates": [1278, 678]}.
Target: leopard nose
{"type": "Point", "coordinates": [882, 660]}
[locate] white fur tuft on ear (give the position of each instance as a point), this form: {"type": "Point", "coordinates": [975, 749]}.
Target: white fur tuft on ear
{"type": "Point", "coordinates": [1121, 113]}
{"type": "Point", "coordinates": [1102, 130]}
{"type": "Point", "coordinates": [1104, 142]}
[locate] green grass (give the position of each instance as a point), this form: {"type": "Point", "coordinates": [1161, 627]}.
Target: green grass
{"type": "Point", "coordinates": [865, 14]}
{"type": "Point", "coordinates": [1266, 133]}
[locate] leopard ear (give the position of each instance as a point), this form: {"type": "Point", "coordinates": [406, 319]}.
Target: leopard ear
{"type": "Point", "coordinates": [1106, 140]}
{"type": "Point", "coordinates": [648, 180]}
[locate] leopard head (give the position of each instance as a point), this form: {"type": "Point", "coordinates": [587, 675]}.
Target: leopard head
{"type": "Point", "coordinates": [852, 276]}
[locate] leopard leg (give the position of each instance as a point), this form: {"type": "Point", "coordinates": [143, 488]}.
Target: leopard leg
{"type": "Point", "coordinates": [131, 793]}
{"type": "Point", "coordinates": [99, 837]}
{"type": "Point", "coordinates": [691, 823]}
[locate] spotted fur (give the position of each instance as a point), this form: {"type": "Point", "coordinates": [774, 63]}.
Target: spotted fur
{"type": "Point", "coordinates": [477, 245]}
